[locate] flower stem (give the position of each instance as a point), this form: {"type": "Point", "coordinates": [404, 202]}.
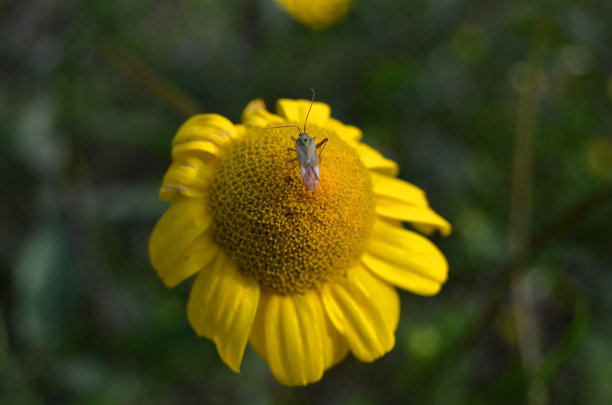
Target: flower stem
{"type": "Point", "coordinates": [138, 71]}
{"type": "Point", "coordinates": [492, 303]}
{"type": "Point", "coordinates": [521, 287]}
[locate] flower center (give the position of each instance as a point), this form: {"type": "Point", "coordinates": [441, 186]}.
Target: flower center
{"type": "Point", "coordinates": [291, 239]}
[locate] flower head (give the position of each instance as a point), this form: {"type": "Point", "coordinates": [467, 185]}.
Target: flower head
{"type": "Point", "coordinates": [316, 14]}
{"type": "Point", "coordinates": [303, 275]}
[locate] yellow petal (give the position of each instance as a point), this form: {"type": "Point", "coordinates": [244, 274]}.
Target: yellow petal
{"type": "Point", "coordinates": [373, 160]}
{"type": "Point", "coordinates": [200, 254]}
{"type": "Point", "coordinates": [176, 230]}
{"type": "Point", "coordinates": [337, 347]}
{"type": "Point", "coordinates": [296, 110]}
{"type": "Point", "coordinates": [404, 246]}
{"type": "Point", "coordinates": [395, 209]}
{"type": "Point", "coordinates": [203, 150]}
{"type": "Point", "coordinates": [201, 136]}
{"type": "Point", "coordinates": [405, 259]}
{"type": "Point", "coordinates": [424, 228]}
{"type": "Point", "coordinates": [258, 332]}
{"type": "Point", "coordinates": [222, 306]}
{"type": "Point", "coordinates": [347, 132]}
{"type": "Point", "coordinates": [290, 333]}
{"type": "Point", "coordinates": [205, 127]}
{"type": "Point", "coordinates": [187, 177]}
{"type": "Point", "coordinates": [334, 344]}
{"type": "Point", "coordinates": [365, 310]}
{"type": "Point", "coordinates": [316, 14]}
{"type": "Point", "coordinates": [256, 115]}
{"type": "Point", "coordinates": [397, 189]}
{"type": "Point", "coordinates": [241, 130]}
{"type": "Point", "coordinates": [399, 276]}
{"type": "Point", "coordinates": [254, 105]}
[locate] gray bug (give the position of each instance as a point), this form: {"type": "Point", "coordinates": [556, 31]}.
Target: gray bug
{"type": "Point", "coordinates": [307, 155]}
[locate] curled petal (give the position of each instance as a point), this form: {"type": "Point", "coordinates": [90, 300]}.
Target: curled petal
{"type": "Point", "coordinates": [365, 310]}
{"type": "Point", "coordinates": [203, 150]}
{"type": "Point", "coordinates": [396, 189]}
{"type": "Point", "coordinates": [187, 177]}
{"type": "Point", "coordinates": [256, 115]}
{"type": "Point", "coordinates": [222, 306]}
{"type": "Point", "coordinates": [296, 111]}
{"type": "Point", "coordinates": [258, 332]}
{"type": "Point", "coordinates": [292, 333]}
{"type": "Point", "coordinates": [201, 136]}
{"type": "Point", "coordinates": [335, 346]}
{"type": "Point", "coordinates": [349, 133]}
{"type": "Point", "coordinates": [205, 127]}
{"type": "Point", "coordinates": [201, 252]}
{"type": "Point", "coordinates": [403, 211]}
{"type": "Point", "coordinates": [401, 277]}
{"type": "Point", "coordinates": [373, 160]}
{"type": "Point", "coordinates": [405, 259]}
{"type": "Point", "coordinates": [175, 232]}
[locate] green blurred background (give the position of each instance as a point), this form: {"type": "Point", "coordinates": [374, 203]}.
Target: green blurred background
{"type": "Point", "coordinates": [501, 111]}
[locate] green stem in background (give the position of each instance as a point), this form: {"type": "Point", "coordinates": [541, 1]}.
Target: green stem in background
{"type": "Point", "coordinates": [138, 71]}
{"type": "Point", "coordinates": [526, 321]}
{"type": "Point", "coordinates": [492, 303]}
{"type": "Point", "coordinates": [563, 225]}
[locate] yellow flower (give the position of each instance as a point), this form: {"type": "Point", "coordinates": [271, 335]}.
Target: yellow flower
{"type": "Point", "coordinates": [316, 14]}
{"type": "Point", "coordinates": [304, 276]}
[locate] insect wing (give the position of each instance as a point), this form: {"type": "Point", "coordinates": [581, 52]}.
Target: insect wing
{"type": "Point", "coordinates": [310, 176]}
{"type": "Point", "coordinates": [306, 151]}
{"type": "Point", "coordinates": [302, 152]}
{"type": "Point", "coordinates": [309, 161]}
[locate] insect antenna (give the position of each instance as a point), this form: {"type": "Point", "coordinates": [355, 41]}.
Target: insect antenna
{"type": "Point", "coordinates": [286, 126]}
{"type": "Point", "coordinates": [309, 108]}
{"type": "Point", "coordinates": [306, 120]}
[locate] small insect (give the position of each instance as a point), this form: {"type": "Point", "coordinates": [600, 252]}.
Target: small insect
{"type": "Point", "coordinates": [307, 156]}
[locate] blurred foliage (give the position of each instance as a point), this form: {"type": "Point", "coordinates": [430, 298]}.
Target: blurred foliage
{"type": "Point", "coordinates": [92, 92]}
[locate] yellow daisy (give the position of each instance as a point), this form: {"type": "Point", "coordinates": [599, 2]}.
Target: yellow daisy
{"type": "Point", "coordinates": [304, 276]}
{"type": "Point", "coordinates": [316, 14]}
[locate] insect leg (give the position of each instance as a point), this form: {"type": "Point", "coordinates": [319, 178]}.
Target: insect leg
{"type": "Point", "coordinates": [322, 146]}
{"type": "Point", "coordinates": [289, 150]}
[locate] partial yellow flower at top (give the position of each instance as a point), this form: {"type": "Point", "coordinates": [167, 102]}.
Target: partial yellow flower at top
{"type": "Point", "coordinates": [304, 276]}
{"type": "Point", "coordinates": [316, 14]}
